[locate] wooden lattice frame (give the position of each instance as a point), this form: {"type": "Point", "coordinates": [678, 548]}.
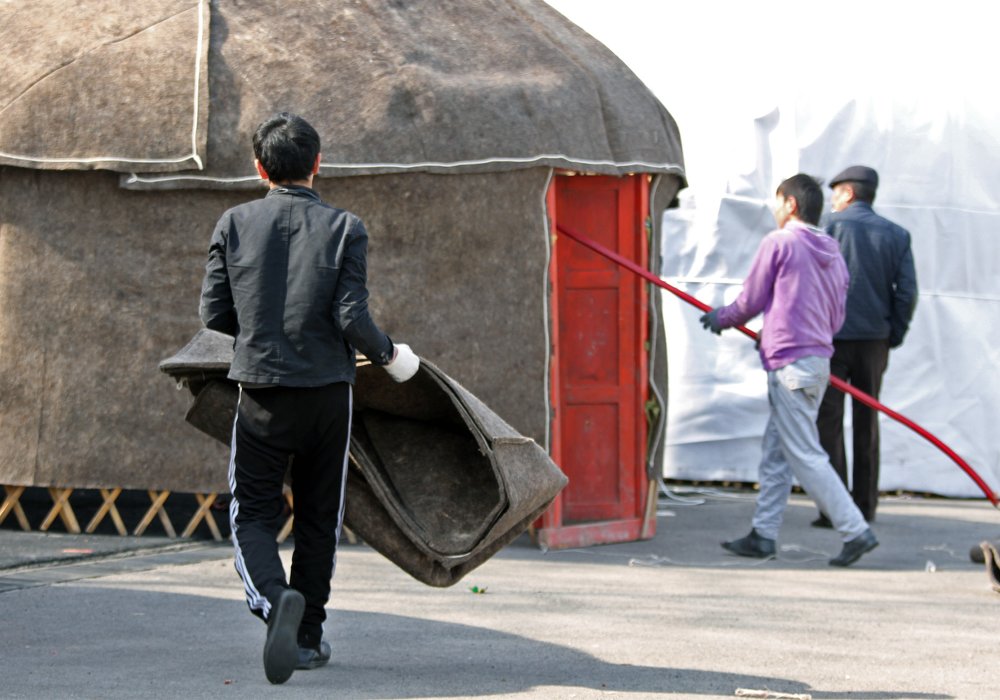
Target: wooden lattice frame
{"type": "Point", "coordinates": [62, 509]}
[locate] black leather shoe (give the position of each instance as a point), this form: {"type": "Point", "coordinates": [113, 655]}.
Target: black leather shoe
{"type": "Point", "coordinates": [822, 521]}
{"type": "Point", "coordinates": [753, 545]}
{"type": "Point", "coordinates": [281, 649]}
{"type": "Point", "coordinates": [852, 551]}
{"type": "Point", "coordinates": [977, 555]}
{"type": "Point", "coordinates": [313, 657]}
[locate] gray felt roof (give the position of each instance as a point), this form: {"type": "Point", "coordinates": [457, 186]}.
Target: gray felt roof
{"type": "Point", "coordinates": [166, 92]}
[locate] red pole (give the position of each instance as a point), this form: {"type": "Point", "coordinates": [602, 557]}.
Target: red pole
{"type": "Point", "coordinates": [837, 383]}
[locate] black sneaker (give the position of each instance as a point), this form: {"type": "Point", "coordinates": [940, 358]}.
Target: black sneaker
{"type": "Point", "coordinates": [313, 657]}
{"type": "Point", "coordinates": [281, 649]}
{"type": "Point", "coordinates": [753, 545]}
{"type": "Point", "coordinates": [822, 521]}
{"type": "Point", "coordinates": [852, 551]}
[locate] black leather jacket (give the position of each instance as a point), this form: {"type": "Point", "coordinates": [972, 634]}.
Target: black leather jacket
{"type": "Point", "coordinates": [882, 294]}
{"type": "Point", "coordinates": [287, 275]}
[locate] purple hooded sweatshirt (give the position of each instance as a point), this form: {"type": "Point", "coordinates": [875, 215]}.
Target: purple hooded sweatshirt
{"type": "Point", "coordinates": [798, 279]}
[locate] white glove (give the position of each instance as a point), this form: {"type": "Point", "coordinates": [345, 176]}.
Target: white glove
{"type": "Point", "coordinates": [404, 365]}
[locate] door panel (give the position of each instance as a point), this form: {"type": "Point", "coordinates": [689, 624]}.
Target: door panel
{"type": "Point", "coordinates": [599, 315]}
{"type": "Point", "coordinates": [594, 447]}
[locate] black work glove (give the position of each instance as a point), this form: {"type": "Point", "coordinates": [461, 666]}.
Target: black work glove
{"type": "Point", "coordinates": [710, 321]}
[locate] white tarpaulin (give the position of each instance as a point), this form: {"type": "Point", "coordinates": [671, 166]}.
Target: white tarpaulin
{"type": "Point", "coordinates": [762, 91]}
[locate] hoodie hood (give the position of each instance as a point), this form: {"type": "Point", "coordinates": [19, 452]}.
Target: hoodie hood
{"type": "Point", "coordinates": [824, 248]}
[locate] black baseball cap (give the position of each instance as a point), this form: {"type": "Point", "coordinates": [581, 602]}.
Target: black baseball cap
{"type": "Point", "coordinates": [857, 173]}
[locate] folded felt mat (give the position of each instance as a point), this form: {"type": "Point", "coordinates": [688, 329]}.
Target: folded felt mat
{"type": "Point", "coordinates": [437, 483]}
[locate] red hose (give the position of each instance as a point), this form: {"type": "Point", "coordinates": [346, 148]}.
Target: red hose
{"type": "Point", "coordinates": [837, 382]}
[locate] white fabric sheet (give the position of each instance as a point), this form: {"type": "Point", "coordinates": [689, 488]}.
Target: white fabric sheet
{"type": "Point", "coordinates": [937, 172]}
{"type": "Point", "coordinates": [761, 91]}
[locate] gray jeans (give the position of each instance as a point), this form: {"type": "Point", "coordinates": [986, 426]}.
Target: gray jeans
{"type": "Point", "coordinates": [791, 448]}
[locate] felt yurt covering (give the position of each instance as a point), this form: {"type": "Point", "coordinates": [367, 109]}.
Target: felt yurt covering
{"type": "Point", "coordinates": [437, 481]}
{"type": "Point", "coordinates": [125, 133]}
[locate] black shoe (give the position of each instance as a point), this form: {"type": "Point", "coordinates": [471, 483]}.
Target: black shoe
{"type": "Point", "coordinates": [822, 521]}
{"type": "Point", "coordinates": [852, 551]}
{"type": "Point", "coordinates": [313, 657]}
{"type": "Point", "coordinates": [753, 545]}
{"type": "Point", "coordinates": [977, 555]}
{"type": "Point", "coordinates": [281, 650]}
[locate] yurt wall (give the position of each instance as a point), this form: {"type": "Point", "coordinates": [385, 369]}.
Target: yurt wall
{"type": "Point", "coordinates": [98, 284]}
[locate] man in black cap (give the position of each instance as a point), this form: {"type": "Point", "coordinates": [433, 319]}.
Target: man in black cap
{"type": "Point", "coordinates": [880, 302]}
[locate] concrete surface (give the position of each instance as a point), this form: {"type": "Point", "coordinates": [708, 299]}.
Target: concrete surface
{"type": "Point", "coordinates": [674, 617]}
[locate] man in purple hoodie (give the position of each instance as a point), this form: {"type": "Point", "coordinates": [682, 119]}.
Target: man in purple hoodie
{"type": "Point", "coordinates": [798, 280]}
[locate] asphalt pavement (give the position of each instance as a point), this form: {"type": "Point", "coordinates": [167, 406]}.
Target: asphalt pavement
{"type": "Point", "coordinates": [104, 616]}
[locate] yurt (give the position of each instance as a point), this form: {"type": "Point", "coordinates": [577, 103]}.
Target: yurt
{"type": "Point", "coordinates": [465, 134]}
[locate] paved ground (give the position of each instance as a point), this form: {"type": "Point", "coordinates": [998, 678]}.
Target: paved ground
{"type": "Point", "coordinates": [675, 617]}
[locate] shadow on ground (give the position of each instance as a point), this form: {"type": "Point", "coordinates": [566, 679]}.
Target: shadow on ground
{"type": "Point", "coordinates": [155, 644]}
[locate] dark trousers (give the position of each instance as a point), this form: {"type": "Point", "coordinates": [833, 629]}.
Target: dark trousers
{"type": "Point", "coordinates": [307, 429]}
{"type": "Point", "coordinates": [861, 363]}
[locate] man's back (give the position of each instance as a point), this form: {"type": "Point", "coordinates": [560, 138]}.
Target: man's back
{"type": "Point", "coordinates": [883, 285]}
{"type": "Point", "coordinates": [297, 275]}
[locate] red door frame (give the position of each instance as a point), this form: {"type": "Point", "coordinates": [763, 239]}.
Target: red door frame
{"type": "Point", "coordinates": [636, 519]}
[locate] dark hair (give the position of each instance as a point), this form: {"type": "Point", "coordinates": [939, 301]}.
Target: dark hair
{"type": "Point", "coordinates": [863, 191]}
{"type": "Point", "coordinates": [286, 146]}
{"type": "Point", "coordinates": [808, 195]}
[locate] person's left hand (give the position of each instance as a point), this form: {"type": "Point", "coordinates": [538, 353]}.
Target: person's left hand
{"type": "Point", "coordinates": [404, 364]}
{"type": "Point", "coordinates": [710, 321]}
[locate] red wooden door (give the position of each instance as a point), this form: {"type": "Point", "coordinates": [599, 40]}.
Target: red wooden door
{"type": "Point", "coordinates": [601, 366]}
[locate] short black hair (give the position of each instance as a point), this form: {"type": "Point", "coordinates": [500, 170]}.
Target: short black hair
{"type": "Point", "coordinates": [808, 195]}
{"type": "Point", "coordinates": [286, 146]}
{"type": "Point", "coordinates": [863, 191]}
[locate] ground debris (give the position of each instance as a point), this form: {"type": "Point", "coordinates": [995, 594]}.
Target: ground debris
{"type": "Point", "coordinates": [749, 693]}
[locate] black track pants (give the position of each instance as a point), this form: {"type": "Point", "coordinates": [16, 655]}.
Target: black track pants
{"type": "Point", "coordinates": [308, 428]}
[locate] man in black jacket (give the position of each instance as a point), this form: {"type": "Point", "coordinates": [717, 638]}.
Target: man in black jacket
{"type": "Point", "coordinates": [880, 302]}
{"type": "Point", "coordinates": [287, 275]}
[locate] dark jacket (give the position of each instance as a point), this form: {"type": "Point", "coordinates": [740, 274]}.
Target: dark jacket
{"type": "Point", "coordinates": [882, 294]}
{"type": "Point", "coordinates": [286, 275]}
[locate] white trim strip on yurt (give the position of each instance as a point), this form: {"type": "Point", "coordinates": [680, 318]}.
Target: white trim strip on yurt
{"type": "Point", "coordinates": [381, 168]}
{"type": "Point", "coordinates": [193, 156]}
{"type": "Point", "coordinates": [504, 159]}
{"type": "Point", "coordinates": [197, 86]}
{"type": "Point", "coordinates": [101, 159]}
{"type": "Point", "coordinates": [655, 316]}
{"type": "Point", "coordinates": [546, 302]}
{"type": "Point", "coordinates": [152, 179]}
